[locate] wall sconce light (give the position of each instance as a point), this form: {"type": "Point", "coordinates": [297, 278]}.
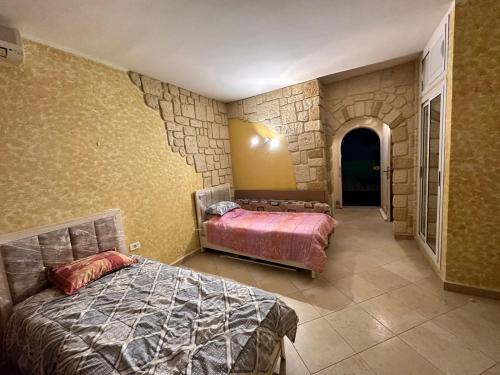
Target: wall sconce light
{"type": "Point", "coordinates": [273, 143]}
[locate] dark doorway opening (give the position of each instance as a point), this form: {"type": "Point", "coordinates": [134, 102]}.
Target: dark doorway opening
{"type": "Point", "coordinates": [361, 168]}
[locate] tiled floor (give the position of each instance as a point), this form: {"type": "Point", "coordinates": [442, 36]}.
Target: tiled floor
{"type": "Point", "coordinates": [377, 308]}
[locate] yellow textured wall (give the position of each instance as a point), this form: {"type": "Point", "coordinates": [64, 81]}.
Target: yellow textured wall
{"type": "Point", "coordinates": [259, 168]}
{"type": "Point", "coordinates": [473, 235]}
{"type": "Point", "coordinates": [76, 139]}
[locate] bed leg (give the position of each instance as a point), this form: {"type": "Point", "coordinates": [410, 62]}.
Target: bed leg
{"type": "Point", "coordinates": [313, 274]}
{"type": "Point", "coordinates": [282, 350]}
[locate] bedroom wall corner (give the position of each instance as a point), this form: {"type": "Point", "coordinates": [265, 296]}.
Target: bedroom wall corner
{"type": "Point", "coordinates": [76, 140]}
{"type": "Point", "coordinates": [294, 113]}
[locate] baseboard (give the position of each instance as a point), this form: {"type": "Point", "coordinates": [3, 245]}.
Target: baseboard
{"type": "Point", "coordinates": [186, 256]}
{"type": "Point", "coordinates": [404, 236]}
{"type": "Point", "coordinates": [474, 290]}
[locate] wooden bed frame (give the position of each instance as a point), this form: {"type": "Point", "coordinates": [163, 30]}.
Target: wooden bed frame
{"type": "Point", "coordinates": [209, 196]}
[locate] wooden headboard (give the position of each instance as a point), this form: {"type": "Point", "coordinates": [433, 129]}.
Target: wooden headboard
{"type": "Point", "coordinates": [25, 255]}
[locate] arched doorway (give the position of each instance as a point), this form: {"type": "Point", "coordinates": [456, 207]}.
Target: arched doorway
{"type": "Point", "coordinates": [360, 168]}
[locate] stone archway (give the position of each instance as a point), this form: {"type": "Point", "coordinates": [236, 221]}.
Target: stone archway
{"type": "Point", "coordinates": [336, 177]}
{"type": "Point", "coordinates": [400, 115]}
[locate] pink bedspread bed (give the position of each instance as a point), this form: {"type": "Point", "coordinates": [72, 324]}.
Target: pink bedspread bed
{"type": "Point", "coordinates": [297, 236]}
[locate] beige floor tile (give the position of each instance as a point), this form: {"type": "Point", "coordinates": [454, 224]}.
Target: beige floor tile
{"type": "Point", "coordinates": [358, 263]}
{"type": "Point", "coordinates": [293, 365]}
{"type": "Point", "coordinates": [411, 269]}
{"type": "Point", "coordinates": [428, 305]}
{"type": "Point", "coordinates": [277, 285]}
{"type": "Point", "coordinates": [394, 357]}
{"type": "Point", "coordinates": [304, 310]}
{"type": "Point", "coordinates": [303, 280]}
{"type": "Point", "coordinates": [320, 346]}
{"type": "Point", "coordinates": [446, 351]}
{"type": "Point", "coordinates": [326, 300]}
{"type": "Point", "coordinates": [235, 270]}
{"type": "Point", "coordinates": [476, 323]}
{"type": "Point", "coordinates": [357, 288]}
{"type": "Point", "coordinates": [354, 365]}
{"type": "Point", "coordinates": [433, 285]}
{"type": "Point", "coordinates": [495, 370]}
{"type": "Point", "coordinates": [383, 279]}
{"type": "Point", "coordinates": [358, 327]}
{"type": "Point", "coordinates": [392, 313]}
{"type": "Point", "coordinates": [334, 271]}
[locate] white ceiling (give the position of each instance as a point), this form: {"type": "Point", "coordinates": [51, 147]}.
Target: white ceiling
{"type": "Point", "coordinates": [230, 49]}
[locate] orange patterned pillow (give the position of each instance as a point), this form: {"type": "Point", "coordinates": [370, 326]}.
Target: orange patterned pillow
{"type": "Point", "coordinates": [75, 275]}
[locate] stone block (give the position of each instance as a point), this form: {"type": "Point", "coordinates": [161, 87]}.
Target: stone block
{"type": "Point", "coordinates": [173, 126]}
{"type": "Point", "coordinates": [293, 146]}
{"type": "Point", "coordinates": [363, 84]}
{"type": "Point", "coordinates": [190, 143]}
{"type": "Point", "coordinates": [135, 78]}
{"type": "Point", "coordinates": [405, 189]}
{"type": "Point", "coordinates": [210, 162]}
{"type": "Point", "coordinates": [319, 139]}
{"type": "Point", "coordinates": [297, 89]}
{"type": "Point", "coordinates": [296, 157]}
{"type": "Point", "coordinates": [152, 86]}
{"type": "Point", "coordinates": [316, 162]}
{"type": "Point", "coordinates": [224, 161]}
{"type": "Point", "coordinates": [312, 126]}
{"type": "Point", "coordinates": [200, 111]}
{"type": "Point", "coordinates": [303, 116]}
{"type": "Point", "coordinates": [203, 141]}
{"type": "Point", "coordinates": [306, 141]}
{"type": "Point", "coordinates": [188, 110]}
{"type": "Point", "coordinates": [166, 110]}
{"type": "Point", "coordinates": [399, 176]}
{"type": "Point", "coordinates": [269, 110]}
{"type": "Point", "coordinates": [359, 109]}
{"type": "Point", "coordinates": [288, 114]}
{"type": "Point", "coordinates": [299, 106]}
{"type": "Point", "coordinates": [272, 95]}
{"type": "Point", "coordinates": [314, 113]}
{"type": "Point", "coordinates": [182, 120]}
{"type": "Point", "coordinates": [402, 163]}
{"type": "Point", "coordinates": [399, 226]}
{"type": "Point", "coordinates": [311, 88]}
{"type": "Point", "coordinates": [196, 123]}
{"type": "Point", "coordinates": [302, 173]}
{"type": "Point", "coordinates": [399, 213]}
{"type": "Point", "coordinates": [391, 116]}
{"type": "Point", "coordinates": [317, 153]}
{"type": "Point", "coordinates": [399, 200]}
{"type": "Point", "coordinates": [151, 101]}
{"type": "Point", "coordinates": [250, 105]}
{"type": "Point", "coordinates": [294, 128]}
{"type": "Point", "coordinates": [399, 134]}
{"type": "Point", "coordinates": [400, 149]}
{"type": "Point", "coordinates": [200, 163]}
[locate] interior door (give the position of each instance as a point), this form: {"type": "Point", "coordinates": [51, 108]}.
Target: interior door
{"type": "Point", "coordinates": [431, 161]}
{"type": "Point", "coordinates": [385, 176]}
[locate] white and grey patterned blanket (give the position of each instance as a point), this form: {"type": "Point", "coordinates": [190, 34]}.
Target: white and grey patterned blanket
{"type": "Point", "coordinates": [150, 318]}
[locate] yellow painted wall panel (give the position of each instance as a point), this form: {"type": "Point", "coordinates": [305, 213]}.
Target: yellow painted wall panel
{"type": "Point", "coordinates": [259, 167]}
{"type": "Point", "coordinates": [473, 220]}
{"type": "Point", "coordinates": [76, 139]}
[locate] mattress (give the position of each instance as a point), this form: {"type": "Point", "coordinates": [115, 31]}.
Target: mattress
{"type": "Point", "coordinates": [293, 236]}
{"type": "Point", "coordinates": [149, 318]}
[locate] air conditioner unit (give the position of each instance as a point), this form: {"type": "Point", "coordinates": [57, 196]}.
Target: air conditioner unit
{"type": "Point", "coordinates": [11, 46]}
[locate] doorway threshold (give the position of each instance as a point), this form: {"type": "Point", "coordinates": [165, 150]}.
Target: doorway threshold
{"type": "Point", "coordinates": [383, 214]}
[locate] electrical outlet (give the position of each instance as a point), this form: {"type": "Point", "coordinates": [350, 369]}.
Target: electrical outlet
{"type": "Point", "coordinates": [134, 246]}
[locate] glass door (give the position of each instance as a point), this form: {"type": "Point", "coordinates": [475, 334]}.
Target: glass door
{"type": "Point", "coordinates": [430, 173]}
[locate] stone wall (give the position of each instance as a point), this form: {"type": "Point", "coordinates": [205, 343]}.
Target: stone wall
{"type": "Point", "coordinates": [196, 126]}
{"type": "Point", "coordinates": [390, 95]}
{"type": "Point", "coordinates": [294, 112]}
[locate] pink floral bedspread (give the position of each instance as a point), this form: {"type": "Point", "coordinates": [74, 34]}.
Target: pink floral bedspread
{"type": "Point", "coordinates": [297, 236]}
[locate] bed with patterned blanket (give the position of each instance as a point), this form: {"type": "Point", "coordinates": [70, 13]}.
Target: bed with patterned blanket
{"type": "Point", "coordinates": [149, 318]}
